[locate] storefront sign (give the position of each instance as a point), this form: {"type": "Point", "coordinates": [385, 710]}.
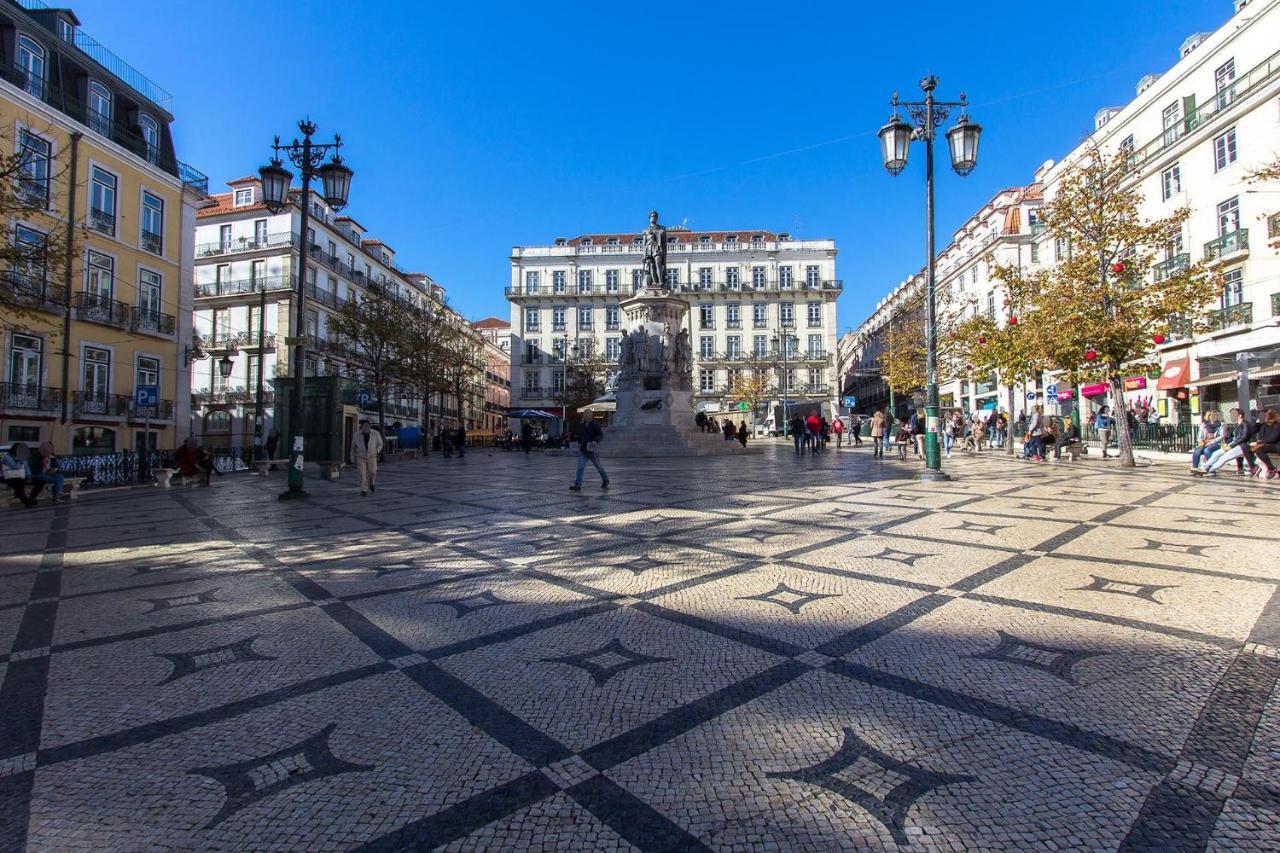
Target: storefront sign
{"type": "Point", "coordinates": [1094, 390]}
{"type": "Point", "coordinates": [1135, 383]}
{"type": "Point", "coordinates": [1066, 395]}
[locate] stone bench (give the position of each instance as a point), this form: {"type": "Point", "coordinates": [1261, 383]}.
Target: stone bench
{"type": "Point", "coordinates": [71, 486]}
{"type": "Point", "coordinates": [409, 453]}
{"type": "Point", "coordinates": [262, 466]}
{"type": "Point", "coordinates": [330, 470]}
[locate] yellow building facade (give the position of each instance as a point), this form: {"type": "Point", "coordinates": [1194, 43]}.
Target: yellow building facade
{"type": "Point", "coordinates": [108, 313]}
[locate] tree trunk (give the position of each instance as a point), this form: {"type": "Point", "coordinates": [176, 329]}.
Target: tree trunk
{"type": "Point", "coordinates": [1120, 417]}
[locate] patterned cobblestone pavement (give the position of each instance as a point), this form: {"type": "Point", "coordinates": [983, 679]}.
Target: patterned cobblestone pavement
{"type": "Point", "coordinates": [755, 653]}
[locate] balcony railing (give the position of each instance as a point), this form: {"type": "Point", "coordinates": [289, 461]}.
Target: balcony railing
{"type": "Point", "coordinates": [101, 309]}
{"type": "Point", "coordinates": [1273, 226]}
{"type": "Point", "coordinates": [1227, 244]}
{"type": "Point", "coordinates": [222, 396]}
{"type": "Point", "coordinates": [1232, 316]}
{"type": "Point", "coordinates": [532, 392]}
{"type": "Point", "coordinates": [21, 398]}
{"type": "Point", "coordinates": [162, 411]}
{"type": "Point", "coordinates": [101, 220]}
{"type": "Point", "coordinates": [32, 292]}
{"type": "Point", "coordinates": [325, 297]}
{"type": "Point", "coordinates": [152, 242]}
{"type": "Point", "coordinates": [154, 322]}
{"type": "Point", "coordinates": [1246, 84]}
{"type": "Point", "coordinates": [1169, 267]}
{"type": "Point", "coordinates": [100, 404]}
{"type": "Point", "coordinates": [247, 244]}
{"type": "Point", "coordinates": [244, 285]}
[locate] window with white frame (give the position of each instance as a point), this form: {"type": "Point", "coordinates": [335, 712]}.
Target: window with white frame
{"type": "Point", "coordinates": [150, 130]}
{"type": "Point", "coordinates": [611, 281]}
{"type": "Point", "coordinates": [147, 371]}
{"type": "Point", "coordinates": [706, 317]}
{"type": "Point", "coordinates": [758, 277]}
{"type": "Point", "coordinates": [706, 346]}
{"type": "Point", "coordinates": [152, 223]}
{"type": "Point", "coordinates": [733, 346]}
{"type": "Point", "coordinates": [611, 317]}
{"type": "Point", "coordinates": [26, 363]}
{"type": "Point", "coordinates": [612, 349]}
{"type": "Point", "coordinates": [673, 277]}
{"type": "Point", "coordinates": [1224, 149]}
{"type": "Point", "coordinates": [785, 278]}
{"type": "Point", "coordinates": [636, 280]}
{"type": "Point", "coordinates": [814, 313]}
{"type": "Point", "coordinates": [584, 316]}
{"type": "Point", "coordinates": [244, 196]}
{"type": "Point", "coordinates": [584, 281]}
{"type": "Point", "coordinates": [531, 319]}
{"type": "Point", "coordinates": [1223, 83]}
{"type": "Point", "coordinates": [102, 201]}
{"type": "Point", "coordinates": [1126, 146]}
{"type": "Point", "coordinates": [706, 380]}
{"type": "Point", "coordinates": [557, 381]}
{"type": "Point", "coordinates": [34, 155]}
{"type": "Point", "coordinates": [787, 314]}
{"type": "Point", "coordinates": [1232, 288]}
{"type": "Point", "coordinates": [1229, 216]}
{"type": "Point", "coordinates": [705, 278]}
{"type": "Point", "coordinates": [812, 276]}
{"type": "Point", "coordinates": [991, 304]}
{"type": "Point", "coordinates": [730, 240]}
{"type": "Point", "coordinates": [31, 66]}
{"type": "Point", "coordinates": [99, 108]}
{"type": "Point", "coordinates": [704, 240]}
{"type": "Point", "coordinates": [533, 380]}
{"type": "Point", "coordinates": [100, 271]}
{"type": "Point", "coordinates": [95, 380]}
{"type": "Point", "coordinates": [1035, 253]}
{"type": "Point", "coordinates": [733, 316]}
{"type": "Point", "coordinates": [760, 346]}
{"type": "Point", "coordinates": [557, 281]}
{"type": "Point", "coordinates": [815, 346]}
{"type": "Point", "coordinates": [1169, 121]}
{"type": "Point", "coordinates": [531, 281]}
{"type": "Point", "coordinates": [558, 319]}
{"type": "Point", "coordinates": [1170, 182]}
{"type": "Point", "coordinates": [731, 278]}
{"type": "Point", "coordinates": [759, 315]}
{"type": "Point", "coordinates": [149, 292]}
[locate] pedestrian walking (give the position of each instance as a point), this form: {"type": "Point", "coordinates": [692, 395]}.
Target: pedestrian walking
{"type": "Point", "coordinates": [729, 430]}
{"type": "Point", "coordinates": [877, 435]}
{"type": "Point", "coordinates": [742, 433]}
{"type": "Point", "coordinates": [838, 429]}
{"type": "Point", "coordinates": [589, 437]}
{"type": "Point", "coordinates": [1102, 426]}
{"type": "Point", "coordinates": [462, 440]}
{"type": "Point", "coordinates": [917, 433]}
{"type": "Point", "coordinates": [526, 437]}
{"type": "Point", "coordinates": [954, 430]}
{"type": "Point", "coordinates": [366, 444]}
{"type": "Point", "coordinates": [813, 434]}
{"type": "Point", "coordinates": [798, 430]}
{"type": "Point", "coordinates": [855, 430]}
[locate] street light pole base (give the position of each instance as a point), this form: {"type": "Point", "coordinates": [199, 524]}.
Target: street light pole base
{"type": "Point", "coordinates": [929, 475]}
{"type": "Point", "coordinates": [294, 495]}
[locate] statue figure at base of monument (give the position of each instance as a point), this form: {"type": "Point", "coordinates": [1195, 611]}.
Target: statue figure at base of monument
{"type": "Point", "coordinates": [682, 357]}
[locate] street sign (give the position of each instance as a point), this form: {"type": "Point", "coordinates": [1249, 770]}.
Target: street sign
{"type": "Point", "coordinates": [295, 340]}
{"type": "Point", "coordinates": [1051, 390]}
{"type": "Point", "coordinates": [742, 406]}
{"type": "Point", "coordinates": [147, 395]}
{"type": "Point", "coordinates": [849, 402]}
{"type": "Point", "coordinates": [365, 397]}
{"type": "Point", "coordinates": [1031, 395]}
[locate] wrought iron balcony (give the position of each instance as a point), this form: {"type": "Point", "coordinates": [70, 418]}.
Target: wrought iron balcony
{"type": "Point", "coordinates": [98, 404]}
{"type": "Point", "coordinates": [24, 399]}
{"type": "Point", "coordinates": [1227, 244]}
{"type": "Point", "coordinates": [1273, 226]}
{"type": "Point", "coordinates": [152, 242]}
{"type": "Point", "coordinates": [247, 244]}
{"type": "Point", "coordinates": [32, 292]}
{"type": "Point", "coordinates": [244, 285]}
{"type": "Point", "coordinates": [154, 323]}
{"type": "Point", "coordinates": [1232, 316]}
{"type": "Point", "coordinates": [1169, 267]}
{"type": "Point", "coordinates": [532, 392]}
{"type": "Point", "coordinates": [101, 220]}
{"type": "Point", "coordinates": [100, 309]}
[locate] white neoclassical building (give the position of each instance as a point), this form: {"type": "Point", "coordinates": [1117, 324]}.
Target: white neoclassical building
{"type": "Point", "coordinates": [753, 296]}
{"type": "Point", "coordinates": [1194, 133]}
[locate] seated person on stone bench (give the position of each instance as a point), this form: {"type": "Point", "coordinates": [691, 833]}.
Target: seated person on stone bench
{"type": "Point", "coordinates": [194, 461]}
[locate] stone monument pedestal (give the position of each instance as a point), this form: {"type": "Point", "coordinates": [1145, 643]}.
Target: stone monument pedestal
{"type": "Point", "coordinates": [654, 390]}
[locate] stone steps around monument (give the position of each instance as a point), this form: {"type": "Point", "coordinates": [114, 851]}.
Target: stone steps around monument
{"type": "Point", "coordinates": [664, 441]}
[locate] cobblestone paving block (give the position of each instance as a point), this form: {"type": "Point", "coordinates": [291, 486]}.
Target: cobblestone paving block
{"type": "Point", "coordinates": [557, 823]}
{"type": "Point", "coordinates": [1191, 548]}
{"type": "Point", "coordinates": [613, 691]}
{"type": "Point", "coordinates": [421, 758]}
{"type": "Point", "coordinates": [904, 558]}
{"type": "Point", "coordinates": [640, 567]}
{"type": "Point", "coordinates": [413, 564]}
{"type": "Point", "coordinates": [108, 688]}
{"type": "Point", "coordinates": [1209, 605]}
{"type": "Point", "coordinates": [1201, 520]}
{"type": "Point", "coordinates": [981, 530]}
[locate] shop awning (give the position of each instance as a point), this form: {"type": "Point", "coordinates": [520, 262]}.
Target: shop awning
{"type": "Point", "coordinates": [1094, 390]}
{"type": "Point", "coordinates": [1213, 379]}
{"type": "Point", "coordinates": [1175, 374]}
{"type": "Point", "coordinates": [1264, 372]}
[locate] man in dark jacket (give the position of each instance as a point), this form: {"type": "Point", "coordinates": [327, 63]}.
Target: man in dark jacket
{"type": "Point", "coordinates": [589, 438]}
{"type": "Point", "coordinates": [1266, 440]}
{"type": "Point", "coordinates": [798, 430]}
{"type": "Point", "coordinates": [1240, 439]}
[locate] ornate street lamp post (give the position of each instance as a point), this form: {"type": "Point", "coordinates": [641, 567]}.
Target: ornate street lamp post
{"type": "Point", "coordinates": [781, 343]}
{"type": "Point", "coordinates": [895, 141]}
{"type": "Point", "coordinates": [335, 177]}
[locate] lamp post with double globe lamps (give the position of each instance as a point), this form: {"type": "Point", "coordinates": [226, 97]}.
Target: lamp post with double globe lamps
{"type": "Point", "coordinates": [895, 142]}
{"type": "Point", "coordinates": [335, 178]}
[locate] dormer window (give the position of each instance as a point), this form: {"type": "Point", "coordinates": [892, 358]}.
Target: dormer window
{"type": "Point", "coordinates": [636, 241]}
{"type": "Point", "coordinates": [66, 31]}
{"type": "Point", "coordinates": [560, 241]}
{"type": "Point", "coordinates": [757, 238]}
{"type": "Point", "coordinates": [731, 238]}
{"type": "Point", "coordinates": [150, 130]}
{"type": "Point", "coordinates": [100, 108]}
{"type": "Point", "coordinates": [585, 241]}
{"type": "Point", "coordinates": [612, 241]}
{"type": "Point", "coordinates": [244, 196]}
{"type": "Point", "coordinates": [704, 240]}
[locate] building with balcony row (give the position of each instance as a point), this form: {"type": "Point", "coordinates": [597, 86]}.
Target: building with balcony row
{"type": "Point", "coordinates": [96, 302]}
{"type": "Point", "coordinates": [1192, 135]}
{"type": "Point", "coordinates": [757, 300]}
{"type": "Point", "coordinates": [245, 284]}
{"type": "Point", "coordinates": [497, 375]}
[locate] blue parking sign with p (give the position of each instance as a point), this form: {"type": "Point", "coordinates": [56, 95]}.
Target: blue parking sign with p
{"type": "Point", "coordinates": [147, 395]}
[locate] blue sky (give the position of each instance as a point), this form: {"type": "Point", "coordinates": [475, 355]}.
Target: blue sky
{"type": "Point", "coordinates": [473, 127]}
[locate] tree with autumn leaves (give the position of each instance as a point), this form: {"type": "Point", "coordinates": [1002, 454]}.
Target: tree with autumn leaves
{"type": "Point", "coordinates": [1096, 313]}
